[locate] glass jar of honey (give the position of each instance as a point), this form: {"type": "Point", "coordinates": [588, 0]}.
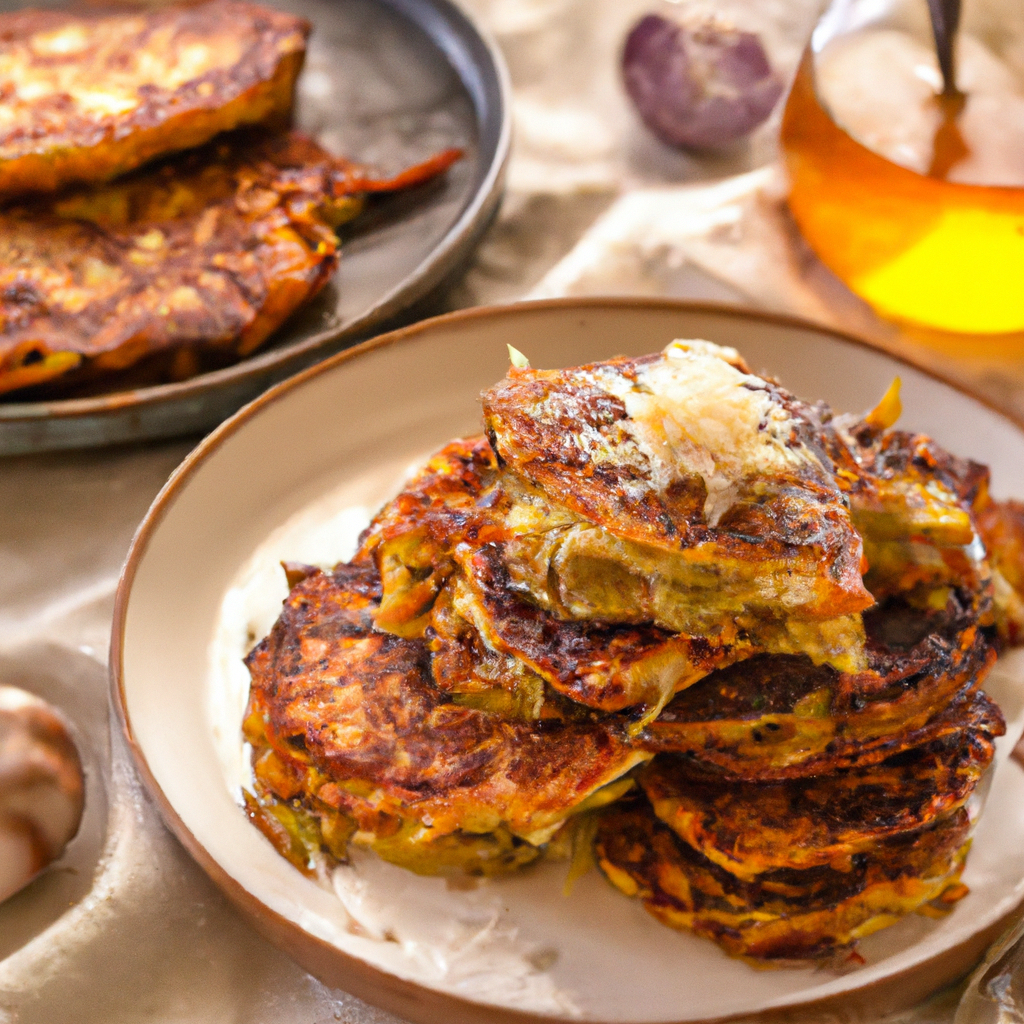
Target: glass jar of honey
{"type": "Point", "coordinates": [916, 203]}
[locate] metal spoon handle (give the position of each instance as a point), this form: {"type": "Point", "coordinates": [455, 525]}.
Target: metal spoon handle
{"type": "Point", "coordinates": [945, 22]}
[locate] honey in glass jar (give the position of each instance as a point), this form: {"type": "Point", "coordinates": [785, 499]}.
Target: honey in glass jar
{"type": "Point", "coordinates": [915, 203]}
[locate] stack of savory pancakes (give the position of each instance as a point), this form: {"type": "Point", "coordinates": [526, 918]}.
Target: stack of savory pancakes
{"type": "Point", "coordinates": [636, 609]}
{"type": "Point", "coordinates": [176, 266]}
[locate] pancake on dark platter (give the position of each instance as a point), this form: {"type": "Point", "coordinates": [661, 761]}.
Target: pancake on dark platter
{"type": "Point", "coordinates": [158, 219]}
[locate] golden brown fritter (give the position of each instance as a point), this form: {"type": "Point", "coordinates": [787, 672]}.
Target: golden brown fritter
{"type": "Point", "coordinates": [777, 717]}
{"type": "Point", "coordinates": [347, 717]}
{"type": "Point", "coordinates": [750, 828]}
{"type": "Point", "coordinates": [609, 668]}
{"type": "Point", "coordinates": [88, 95]}
{"type": "Point", "coordinates": [903, 484]}
{"type": "Point", "coordinates": [437, 546]}
{"type": "Point", "coordinates": [1001, 525]}
{"type": "Point", "coordinates": [413, 538]}
{"type": "Point", "coordinates": [622, 444]}
{"type": "Point", "coordinates": [915, 505]}
{"type": "Point", "coordinates": [678, 489]}
{"type": "Point", "coordinates": [181, 266]}
{"type": "Point", "coordinates": [782, 915]}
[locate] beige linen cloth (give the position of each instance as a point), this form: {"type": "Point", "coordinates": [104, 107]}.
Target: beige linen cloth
{"type": "Point", "coordinates": [594, 205]}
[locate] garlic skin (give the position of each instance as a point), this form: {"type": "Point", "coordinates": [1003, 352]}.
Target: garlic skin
{"type": "Point", "coordinates": [698, 86]}
{"type": "Point", "coordinates": [42, 788]}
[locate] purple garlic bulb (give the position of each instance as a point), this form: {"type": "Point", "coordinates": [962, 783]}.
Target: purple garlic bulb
{"type": "Point", "coordinates": [701, 87]}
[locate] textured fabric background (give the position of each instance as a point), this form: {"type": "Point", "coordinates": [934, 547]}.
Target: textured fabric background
{"type": "Point", "coordinates": [128, 930]}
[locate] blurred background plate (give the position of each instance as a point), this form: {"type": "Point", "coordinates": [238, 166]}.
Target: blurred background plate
{"type": "Point", "coordinates": [386, 82]}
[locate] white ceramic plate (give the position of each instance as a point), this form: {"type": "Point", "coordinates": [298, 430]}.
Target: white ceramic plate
{"type": "Point", "coordinates": [295, 475]}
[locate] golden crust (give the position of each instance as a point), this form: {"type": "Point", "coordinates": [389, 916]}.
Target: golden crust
{"type": "Point", "coordinates": [778, 717]}
{"type": "Point", "coordinates": [902, 484]}
{"type": "Point", "coordinates": [609, 668]}
{"type": "Point", "coordinates": [916, 507]}
{"type": "Point", "coordinates": [413, 538]}
{"type": "Point", "coordinates": [180, 267]}
{"type": "Point", "coordinates": [750, 828]}
{"type": "Point", "coordinates": [88, 95]}
{"type": "Point", "coordinates": [593, 440]}
{"type": "Point", "coordinates": [438, 548]}
{"type": "Point", "coordinates": [353, 714]}
{"type": "Point", "coordinates": [784, 915]}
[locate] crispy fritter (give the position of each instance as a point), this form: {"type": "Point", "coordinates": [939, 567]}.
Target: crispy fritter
{"type": "Point", "coordinates": [1001, 525]}
{"type": "Point", "coordinates": [661, 449]}
{"type": "Point", "coordinates": [915, 505]}
{"type": "Point", "coordinates": [782, 915]}
{"type": "Point", "coordinates": [181, 266]}
{"type": "Point", "coordinates": [438, 551]}
{"type": "Point", "coordinates": [605, 667]}
{"type": "Point", "coordinates": [88, 95]}
{"type": "Point", "coordinates": [777, 717]}
{"type": "Point", "coordinates": [346, 717]}
{"type": "Point", "coordinates": [682, 490]}
{"type": "Point", "coordinates": [904, 485]}
{"type": "Point", "coordinates": [750, 828]}
{"type": "Point", "coordinates": [413, 538]}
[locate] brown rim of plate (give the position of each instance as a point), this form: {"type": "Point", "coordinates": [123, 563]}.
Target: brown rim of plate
{"type": "Point", "coordinates": [339, 969]}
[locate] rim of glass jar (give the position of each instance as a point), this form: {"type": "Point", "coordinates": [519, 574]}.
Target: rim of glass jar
{"type": "Point", "coordinates": [828, 29]}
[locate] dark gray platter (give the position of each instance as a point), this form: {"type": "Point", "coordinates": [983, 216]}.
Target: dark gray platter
{"type": "Point", "coordinates": [386, 82]}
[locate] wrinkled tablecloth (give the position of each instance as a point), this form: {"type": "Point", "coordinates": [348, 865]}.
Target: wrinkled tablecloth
{"type": "Point", "coordinates": [127, 929]}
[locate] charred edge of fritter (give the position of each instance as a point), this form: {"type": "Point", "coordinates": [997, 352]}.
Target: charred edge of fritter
{"type": "Point", "coordinates": [588, 662]}
{"type": "Point", "coordinates": [887, 455]}
{"type": "Point", "coordinates": [412, 540]}
{"type": "Point", "coordinates": [404, 752]}
{"type": "Point", "coordinates": [908, 650]}
{"type": "Point", "coordinates": [780, 747]}
{"type": "Point", "coordinates": [456, 475]}
{"type": "Point", "coordinates": [805, 915]}
{"type": "Point", "coordinates": [750, 828]}
{"type": "Point", "coordinates": [316, 838]}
